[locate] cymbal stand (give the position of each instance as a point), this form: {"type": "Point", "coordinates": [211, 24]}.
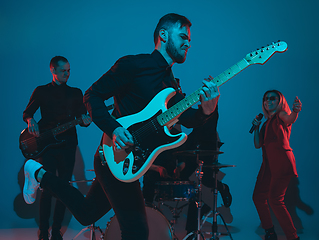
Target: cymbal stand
{"type": "Point", "coordinates": [199, 175]}
{"type": "Point", "coordinates": [215, 234]}
{"type": "Point", "coordinates": [176, 211]}
{"type": "Point", "coordinates": [92, 228]}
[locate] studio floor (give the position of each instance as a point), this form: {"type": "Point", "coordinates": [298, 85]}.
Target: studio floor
{"type": "Point", "coordinates": [159, 231]}
{"type": "Point", "coordinates": [162, 226]}
{"type": "Point", "coordinates": [31, 234]}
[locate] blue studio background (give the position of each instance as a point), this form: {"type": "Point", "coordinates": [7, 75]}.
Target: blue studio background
{"type": "Point", "coordinates": [92, 35]}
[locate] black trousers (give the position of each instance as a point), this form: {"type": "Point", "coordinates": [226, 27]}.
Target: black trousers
{"type": "Point", "coordinates": [106, 192]}
{"type": "Point", "coordinates": [58, 161]}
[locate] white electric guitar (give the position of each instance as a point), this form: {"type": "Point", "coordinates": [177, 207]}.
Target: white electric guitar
{"type": "Point", "coordinates": [150, 127]}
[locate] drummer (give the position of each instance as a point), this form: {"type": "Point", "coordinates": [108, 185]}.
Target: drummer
{"type": "Point", "coordinates": [169, 167]}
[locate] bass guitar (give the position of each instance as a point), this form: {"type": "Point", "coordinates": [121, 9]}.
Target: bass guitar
{"type": "Point", "coordinates": [150, 127]}
{"type": "Point", "coordinates": [33, 147]}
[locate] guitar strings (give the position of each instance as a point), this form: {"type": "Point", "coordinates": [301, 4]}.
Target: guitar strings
{"type": "Point", "coordinates": [145, 130]}
{"type": "Point", "coordinates": [41, 137]}
{"type": "Point", "coordinates": [47, 134]}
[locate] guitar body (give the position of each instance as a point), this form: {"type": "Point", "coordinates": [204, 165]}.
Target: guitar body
{"type": "Point", "coordinates": [33, 147]}
{"type": "Point", "coordinates": [150, 139]}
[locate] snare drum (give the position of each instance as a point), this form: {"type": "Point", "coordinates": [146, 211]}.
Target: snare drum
{"type": "Point", "coordinates": [174, 191]}
{"type": "Point", "coordinates": [159, 227]}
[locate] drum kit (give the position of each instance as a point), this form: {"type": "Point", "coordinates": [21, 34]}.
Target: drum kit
{"type": "Point", "coordinates": [176, 191]}
{"type": "Point", "coordinates": [179, 191]}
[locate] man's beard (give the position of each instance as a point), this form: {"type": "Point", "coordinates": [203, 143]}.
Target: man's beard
{"type": "Point", "coordinates": [173, 53]}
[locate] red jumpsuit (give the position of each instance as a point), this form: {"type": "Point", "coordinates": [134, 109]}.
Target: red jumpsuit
{"type": "Point", "coordinates": [277, 169]}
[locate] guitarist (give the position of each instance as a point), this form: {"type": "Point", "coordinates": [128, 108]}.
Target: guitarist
{"type": "Point", "coordinates": [133, 82]}
{"type": "Point", "coordinates": [58, 103]}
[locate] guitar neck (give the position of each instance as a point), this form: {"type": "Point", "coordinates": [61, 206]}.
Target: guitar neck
{"type": "Point", "coordinates": [230, 72]}
{"type": "Point", "coordinates": [66, 126]}
{"type": "Point", "coordinates": [171, 114]}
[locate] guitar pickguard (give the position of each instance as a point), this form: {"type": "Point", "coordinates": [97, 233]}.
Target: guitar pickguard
{"type": "Point", "coordinates": [147, 135]}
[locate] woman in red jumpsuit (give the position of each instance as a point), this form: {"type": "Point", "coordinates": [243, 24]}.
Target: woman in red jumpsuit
{"type": "Point", "coordinates": [278, 165]}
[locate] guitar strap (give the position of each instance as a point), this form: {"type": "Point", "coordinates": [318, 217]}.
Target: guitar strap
{"type": "Point", "coordinates": [101, 153]}
{"type": "Point", "coordinates": [103, 160]}
{"type": "Point", "coordinates": [175, 82]}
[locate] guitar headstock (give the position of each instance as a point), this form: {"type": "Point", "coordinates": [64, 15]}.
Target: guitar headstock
{"type": "Point", "coordinates": [262, 55]}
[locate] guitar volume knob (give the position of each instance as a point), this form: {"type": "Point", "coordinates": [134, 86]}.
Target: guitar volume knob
{"type": "Point", "coordinates": [137, 148]}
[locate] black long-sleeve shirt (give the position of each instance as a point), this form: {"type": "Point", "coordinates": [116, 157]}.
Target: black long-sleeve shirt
{"type": "Point", "coordinates": [133, 81]}
{"type": "Point", "coordinates": [58, 104]}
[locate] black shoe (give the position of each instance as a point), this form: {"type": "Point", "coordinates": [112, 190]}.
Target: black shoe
{"type": "Point", "coordinates": [270, 234]}
{"type": "Point", "coordinates": [43, 235]}
{"type": "Point", "coordinates": [226, 196]}
{"type": "Point", "coordinates": [56, 235]}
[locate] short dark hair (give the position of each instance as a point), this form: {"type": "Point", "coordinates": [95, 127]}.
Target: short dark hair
{"type": "Point", "coordinates": [55, 60]}
{"type": "Point", "coordinates": [167, 21]}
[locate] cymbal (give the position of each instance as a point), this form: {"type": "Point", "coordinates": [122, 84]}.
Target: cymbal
{"type": "Point", "coordinates": [201, 153]}
{"type": "Point", "coordinates": [218, 165]}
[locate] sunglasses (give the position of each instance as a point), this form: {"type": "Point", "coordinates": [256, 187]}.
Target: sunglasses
{"type": "Point", "coordinates": [272, 98]}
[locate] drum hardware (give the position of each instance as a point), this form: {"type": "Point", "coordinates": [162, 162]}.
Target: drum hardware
{"type": "Point", "coordinates": [81, 181]}
{"type": "Point", "coordinates": [174, 191]}
{"type": "Point", "coordinates": [198, 152]}
{"type": "Point", "coordinates": [176, 211]}
{"type": "Point", "coordinates": [92, 227]}
{"type": "Point", "coordinates": [215, 234]}
{"type": "Point", "coordinates": [199, 175]}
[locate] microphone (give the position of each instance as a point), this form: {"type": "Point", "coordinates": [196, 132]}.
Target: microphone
{"type": "Point", "coordinates": [259, 117]}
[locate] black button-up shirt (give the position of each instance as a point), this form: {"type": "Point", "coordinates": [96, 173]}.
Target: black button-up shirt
{"type": "Point", "coordinates": [133, 81]}
{"type": "Point", "coordinates": [58, 104]}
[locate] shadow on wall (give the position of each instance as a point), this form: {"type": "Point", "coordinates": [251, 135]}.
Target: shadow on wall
{"type": "Point", "coordinates": [31, 211]}
{"type": "Point", "coordinates": [292, 201]}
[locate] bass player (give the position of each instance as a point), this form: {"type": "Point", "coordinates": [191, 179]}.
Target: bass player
{"type": "Point", "coordinates": [58, 103]}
